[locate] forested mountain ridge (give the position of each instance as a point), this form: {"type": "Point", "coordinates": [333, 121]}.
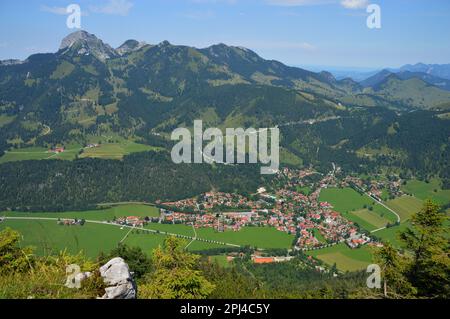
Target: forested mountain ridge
{"type": "Point", "coordinates": [142, 91]}
{"type": "Point", "coordinates": [89, 87]}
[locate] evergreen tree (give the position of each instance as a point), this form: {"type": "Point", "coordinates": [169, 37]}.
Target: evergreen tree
{"type": "Point", "coordinates": [175, 275]}
{"type": "Point", "coordinates": [393, 265]}
{"type": "Point", "coordinates": [430, 270]}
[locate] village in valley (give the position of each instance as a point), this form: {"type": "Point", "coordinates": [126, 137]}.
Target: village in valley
{"type": "Point", "coordinates": [291, 204]}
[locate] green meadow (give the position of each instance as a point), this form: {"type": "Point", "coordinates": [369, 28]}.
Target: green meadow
{"type": "Point", "coordinates": [115, 150]}
{"type": "Point", "coordinates": [50, 238]}
{"type": "Point", "coordinates": [355, 207]}
{"type": "Point", "coordinates": [431, 190]}
{"type": "Point", "coordinates": [105, 151]}
{"type": "Point", "coordinates": [405, 206]}
{"type": "Point", "coordinates": [346, 259]}
{"type": "Point", "coordinates": [30, 153]}
{"type": "Point", "coordinates": [345, 200]}
{"type": "Point", "coordinates": [172, 228]}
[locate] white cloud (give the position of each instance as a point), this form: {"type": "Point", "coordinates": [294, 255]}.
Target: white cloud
{"type": "Point", "coordinates": [294, 3]}
{"type": "Point", "coordinates": [113, 7]}
{"type": "Point", "coordinates": [355, 4]}
{"type": "Point", "coordinates": [54, 10]}
{"type": "Point", "coordinates": [59, 10]}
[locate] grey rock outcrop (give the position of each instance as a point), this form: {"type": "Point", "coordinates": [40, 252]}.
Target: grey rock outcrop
{"type": "Point", "coordinates": [84, 43]}
{"type": "Point", "coordinates": [130, 46]}
{"type": "Point", "coordinates": [119, 280]}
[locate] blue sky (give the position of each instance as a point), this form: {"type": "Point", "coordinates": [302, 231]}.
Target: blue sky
{"type": "Point", "coordinates": [296, 32]}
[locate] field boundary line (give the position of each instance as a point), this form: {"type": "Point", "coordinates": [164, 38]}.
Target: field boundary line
{"type": "Point", "coordinates": [125, 237]}
{"type": "Point", "coordinates": [193, 239]}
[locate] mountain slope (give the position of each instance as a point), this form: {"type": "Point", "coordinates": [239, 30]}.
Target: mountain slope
{"type": "Point", "coordinates": [413, 92]}
{"type": "Point", "coordinates": [142, 92]}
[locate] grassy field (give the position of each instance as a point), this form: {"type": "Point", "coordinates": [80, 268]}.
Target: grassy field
{"type": "Point", "coordinates": [100, 214]}
{"type": "Point", "coordinates": [200, 245]}
{"type": "Point", "coordinates": [105, 150]}
{"type": "Point", "coordinates": [351, 204]}
{"type": "Point", "coordinates": [115, 150]}
{"type": "Point", "coordinates": [29, 153]}
{"type": "Point", "coordinates": [369, 220]}
{"type": "Point", "coordinates": [147, 241]}
{"type": "Point", "coordinates": [345, 200]}
{"type": "Point", "coordinates": [405, 206]}
{"type": "Point", "coordinates": [431, 190]}
{"type": "Point", "coordinates": [391, 234]}
{"type": "Point", "coordinates": [49, 238]}
{"type": "Point", "coordinates": [171, 228]}
{"type": "Point", "coordinates": [346, 259]}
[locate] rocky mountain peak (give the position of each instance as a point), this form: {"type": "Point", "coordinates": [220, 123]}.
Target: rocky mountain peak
{"type": "Point", "coordinates": [84, 43]}
{"type": "Point", "coordinates": [130, 46]}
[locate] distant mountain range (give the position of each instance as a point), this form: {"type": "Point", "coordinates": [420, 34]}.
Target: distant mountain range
{"type": "Point", "coordinates": [435, 74]}
{"type": "Point", "coordinates": [144, 91]}
{"type": "Point", "coordinates": [380, 77]}
{"type": "Point", "coordinates": [437, 70]}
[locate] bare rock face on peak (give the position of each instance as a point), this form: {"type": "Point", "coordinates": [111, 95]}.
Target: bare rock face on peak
{"type": "Point", "coordinates": [119, 280]}
{"type": "Point", "coordinates": [130, 46]}
{"type": "Point", "coordinates": [84, 43]}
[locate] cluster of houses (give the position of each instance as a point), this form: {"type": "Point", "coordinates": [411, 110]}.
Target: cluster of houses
{"type": "Point", "coordinates": [302, 215]}
{"type": "Point", "coordinates": [314, 223]}
{"type": "Point", "coordinates": [133, 221]}
{"type": "Point", "coordinates": [228, 221]}
{"type": "Point", "coordinates": [375, 187]}
{"type": "Point", "coordinates": [211, 201]}
{"type": "Point", "coordinates": [356, 239]}
{"type": "Point", "coordinates": [208, 201]}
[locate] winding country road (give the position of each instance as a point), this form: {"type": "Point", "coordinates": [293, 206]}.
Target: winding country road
{"type": "Point", "coordinates": [388, 208]}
